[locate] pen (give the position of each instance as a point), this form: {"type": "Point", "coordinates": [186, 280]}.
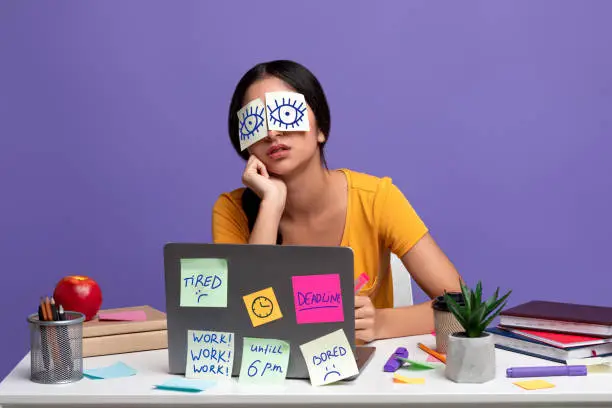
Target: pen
{"type": "Point", "coordinates": [546, 371]}
{"type": "Point", "coordinates": [432, 353]}
{"type": "Point", "coordinates": [54, 310]}
{"type": "Point", "coordinates": [65, 350]}
{"type": "Point", "coordinates": [360, 281]}
{"type": "Point", "coordinates": [393, 364]}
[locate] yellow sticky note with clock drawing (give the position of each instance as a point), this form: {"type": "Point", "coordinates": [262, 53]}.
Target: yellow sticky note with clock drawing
{"type": "Point", "coordinates": [262, 307]}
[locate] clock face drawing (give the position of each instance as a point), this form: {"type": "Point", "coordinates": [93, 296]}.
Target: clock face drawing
{"type": "Point", "coordinates": [262, 307]}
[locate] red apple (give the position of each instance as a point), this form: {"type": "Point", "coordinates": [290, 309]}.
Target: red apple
{"type": "Point", "coordinates": [79, 294]}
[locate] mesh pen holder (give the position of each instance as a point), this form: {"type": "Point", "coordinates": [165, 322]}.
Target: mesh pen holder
{"type": "Point", "coordinates": [56, 349]}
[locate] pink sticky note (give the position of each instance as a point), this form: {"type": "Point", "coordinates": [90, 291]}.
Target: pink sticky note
{"type": "Point", "coordinates": [131, 316]}
{"type": "Point", "coordinates": [317, 298]}
{"type": "Point", "coordinates": [432, 359]}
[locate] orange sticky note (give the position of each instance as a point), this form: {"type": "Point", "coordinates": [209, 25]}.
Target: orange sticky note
{"type": "Point", "coordinates": [407, 380]}
{"type": "Point", "coordinates": [262, 306]}
{"type": "Point", "coordinates": [534, 384]}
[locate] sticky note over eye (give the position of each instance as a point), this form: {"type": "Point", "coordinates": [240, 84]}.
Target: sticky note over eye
{"type": "Point", "coordinates": [317, 298]}
{"type": "Point", "coordinates": [534, 384]}
{"type": "Point", "coordinates": [329, 358]}
{"type": "Point", "coordinates": [262, 307]}
{"type": "Point", "coordinates": [203, 282]}
{"type": "Point", "coordinates": [210, 354]}
{"type": "Point", "coordinates": [252, 126]}
{"type": "Point", "coordinates": [286, 111]}
{"type": "Point", "coordinates": [264, 361]}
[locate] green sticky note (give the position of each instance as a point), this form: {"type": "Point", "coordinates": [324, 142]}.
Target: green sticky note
{"type": "Point", "coordinates": [264, 361]}
{"type": "Point", "coordinates": [210, 354]}
{"type": "Point", "coordinates": [417, 365]}
{"type": "Point", "coordinates": [204, 282]}
{"type": "Point", "coordinates": [186, 385]}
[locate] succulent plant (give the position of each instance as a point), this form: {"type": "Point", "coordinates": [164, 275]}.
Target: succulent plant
{"type": "Point", "coordinates": [474, 314]}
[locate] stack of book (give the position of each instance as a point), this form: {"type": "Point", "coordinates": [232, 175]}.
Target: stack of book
{"type": "Point", "coordinates": [125, 330]}
{"type": "Point", "coordinates": [555, 331]}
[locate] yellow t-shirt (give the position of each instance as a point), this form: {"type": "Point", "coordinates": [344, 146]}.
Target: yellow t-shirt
{"type": "Point", "coordinates": [379, 220]}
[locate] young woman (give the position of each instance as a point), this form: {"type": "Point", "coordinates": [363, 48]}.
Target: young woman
{"type": "Point", "coordinates": [291, 197]}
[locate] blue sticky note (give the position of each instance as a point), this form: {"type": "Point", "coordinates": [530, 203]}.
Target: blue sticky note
{"type": "Point", "coordinates": [116, 370]}
{"type": "Point", "coordinates": [186, 385]}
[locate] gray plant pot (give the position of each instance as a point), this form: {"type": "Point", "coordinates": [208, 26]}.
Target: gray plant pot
{"type": "Point", "coordinates": [470, 359]}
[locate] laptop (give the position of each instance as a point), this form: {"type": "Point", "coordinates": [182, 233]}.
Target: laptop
{"type": "Point", "coordinates": [244, 270]}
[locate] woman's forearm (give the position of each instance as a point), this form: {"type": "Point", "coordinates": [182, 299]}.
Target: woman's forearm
{"type": "Point", "coordinates": [404, 321]}
{"type": "Point", "coordinates": [266, 225]}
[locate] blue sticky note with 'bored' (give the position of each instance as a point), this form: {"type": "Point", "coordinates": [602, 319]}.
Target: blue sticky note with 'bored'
{"type": "Point", "coordinates": [186, 385]}
{"type": "Point", "coordinates": [116, 370]}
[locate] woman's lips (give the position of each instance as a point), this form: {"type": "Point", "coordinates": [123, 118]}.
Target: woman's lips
{"type": "Point", "coordinates": [278, 151]}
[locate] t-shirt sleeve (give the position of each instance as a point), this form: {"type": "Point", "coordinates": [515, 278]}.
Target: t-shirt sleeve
{"type": "Point", "coordinates": [229, 223]}
{"type": "Point", "coordinates": [400, 227]}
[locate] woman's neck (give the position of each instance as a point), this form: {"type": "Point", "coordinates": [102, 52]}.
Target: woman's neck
{"type": "Point", "coordinates": [308, 191]}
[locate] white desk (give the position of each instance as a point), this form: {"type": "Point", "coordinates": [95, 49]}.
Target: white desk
{"type": "Point", "coordinates": [372, 388]}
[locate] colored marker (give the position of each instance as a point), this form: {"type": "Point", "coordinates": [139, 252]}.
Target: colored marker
{"type": "Point", "coordinates": [546, 371]}
{"type": "Point", "coordinates": [393, 364]}
{"type": "Point", "coordinates": [360, 281]}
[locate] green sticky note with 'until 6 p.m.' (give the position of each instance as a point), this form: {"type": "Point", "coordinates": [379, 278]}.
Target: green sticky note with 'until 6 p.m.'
{"type": "Point", "coordinates": [204, 282]}
{"type": "Point", "coordinates": [264, 361]}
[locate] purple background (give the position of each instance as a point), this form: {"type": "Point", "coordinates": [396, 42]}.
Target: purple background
{"type": "Point", "coordinates": [494, 118]}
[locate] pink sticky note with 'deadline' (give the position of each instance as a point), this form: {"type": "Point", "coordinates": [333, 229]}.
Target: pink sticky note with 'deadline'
{"type": "Point", "coordinates": [317, 298]}
{"type": "Point", "coordinates": [131, 316]}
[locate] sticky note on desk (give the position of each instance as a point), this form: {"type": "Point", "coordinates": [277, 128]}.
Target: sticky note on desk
{"type": "Point", "coordinates": [262, 307]}
{"type": "Point", "coordinates": [203, 282]}
{"type": "Point", "coordinates": [116, 370]}
{"type": "Point", "coordinates": [416, 365]}
{"type": "Point", "coordinates": [534, 384]}
{"type": "Point", "coordinates": [264, 361]}
{"type": "Point", "coordinates": [210, 354]}
{"type": "Point", "coordinates": [407, 380]}
{"type": "Point", "coordinates": [317, 298]}
{"type": "Point", "coordinates": [127, 316]}
{"type": "Point", "coordinates": [329, 358]}
{"type": "Point", "coordinates": [186, 385]}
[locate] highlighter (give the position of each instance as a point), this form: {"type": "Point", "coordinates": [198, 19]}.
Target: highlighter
{"type": "Point", "coordinates": [546, 371]}
{"type": "Point", "coordinates": [360, 282]}
{"type": "Point", "coordinates": [393, 364]}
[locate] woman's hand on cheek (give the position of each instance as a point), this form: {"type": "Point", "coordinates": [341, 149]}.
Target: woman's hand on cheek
{"type": "Point", "coordinates": [269, 189]}
{"type": "Point", "coordinates": [365, 319]}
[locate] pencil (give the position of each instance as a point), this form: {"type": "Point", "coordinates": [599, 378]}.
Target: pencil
{"type": "Point", "coordinates": [48, 309]}
{"type": "Point", "coordinates": [43, 309]}
{"type": "Point", "coordinates": [432, 353]}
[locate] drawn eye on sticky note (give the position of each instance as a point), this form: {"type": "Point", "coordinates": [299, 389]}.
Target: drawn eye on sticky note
{"type": "Point", "coordinates": [287, 111]}
{"type": "Point", "coordinates": [329, 358]}
{"type": "Point", "coordinates": [210, 354]}
{"type": "Point", "coordinates": [203, 282]}
{"type": "Point", "coordinates": [317, 298]}
{"type": "Point", "coordinates": [264, 361]}
{"type": "Point", "coordinates": [262, 306]}
{"type": "Point", "coordinates": [252, 125]}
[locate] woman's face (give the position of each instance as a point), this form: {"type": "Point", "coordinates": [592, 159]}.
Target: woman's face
{"type": "Point", "coordinates": [283, 152]}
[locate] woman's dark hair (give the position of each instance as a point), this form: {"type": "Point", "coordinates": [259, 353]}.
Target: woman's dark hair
{"type": "Point", "coordinates": [302, 81]}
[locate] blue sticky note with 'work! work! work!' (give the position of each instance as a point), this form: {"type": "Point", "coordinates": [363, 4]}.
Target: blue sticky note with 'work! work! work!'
{"type": "Point", "coordinates": [186, 385]}
{"type": "Point", "coordinates": [116, 370]}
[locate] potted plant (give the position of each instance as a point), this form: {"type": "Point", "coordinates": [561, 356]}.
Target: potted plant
{"type": "Point", "coordinates": [471, 352]}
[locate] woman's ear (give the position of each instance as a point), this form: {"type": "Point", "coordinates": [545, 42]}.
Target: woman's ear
{"type": "Point", "coordinates": [321, 137]}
